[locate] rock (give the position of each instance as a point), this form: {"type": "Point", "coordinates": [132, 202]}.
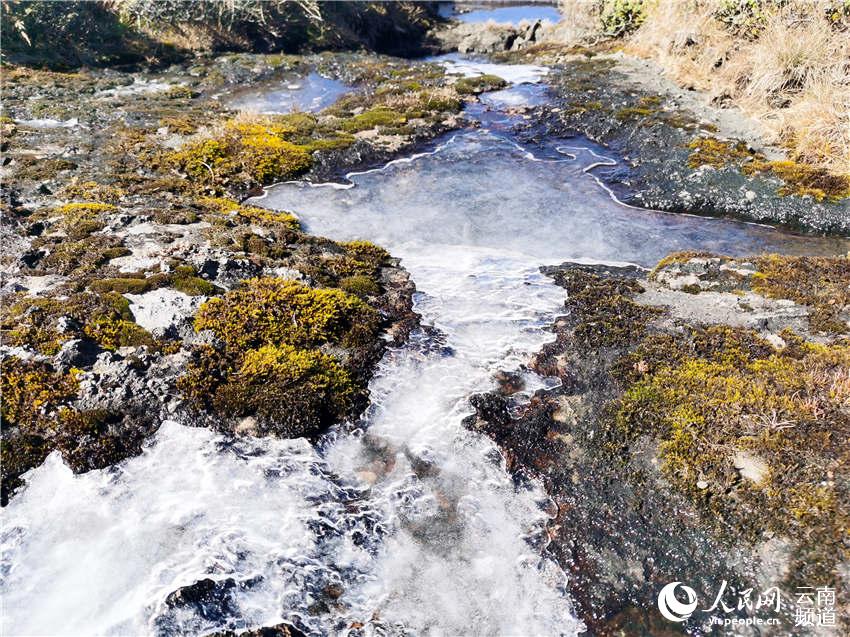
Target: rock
{"type": "Point", "coordinates": [164, 311]}
{"type": "Point", "coordinates": [210, 599]}
{"type": "Point", "coordinates": [750, 466]}
{"type": "Point", "coordinates": [279, 630]}
{"type": "Point", "coordinates": [78, 352]}
{"type": "Point", "coordinates": [509, 383]}
{"type": "Point", "coordinates": [66, 324]}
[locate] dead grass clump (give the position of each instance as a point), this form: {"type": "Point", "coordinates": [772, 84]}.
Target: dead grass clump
{"type": "Point", "coordinates": [787, 65]}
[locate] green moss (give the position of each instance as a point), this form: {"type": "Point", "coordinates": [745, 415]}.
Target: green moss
{"type": "Point", "coordinates": [479, 84]}
{"type": "Point", "coordinates": [38, 416]}
{"type": "Point", "coordinates": [95, 192]}
{"type": "Point", "coordinates": [114, 333]}
{"type": "Point", "coordinates": [292, 392]}
{"type": "Point", "coordinates": [603, 310]}
{"type": "Point", "coordinates": [708, 151]}
{"type": "Point", "coordinates": [81, 219]}
{"type": "Point", "coordinates": [248, 214]}
{"type": "Point", "coordinates": [679, 257]}
{"type": "Point", "coordinates": [32, 322]}
{"type": "Point", "coordinates": [366, 252]}
{"type": "Point", "coordinates": [338, 141]}
{"type": "Point", "coordinates": [182, 124]}
{"type": "Point", "coordinates": [114, 253]}
{"type": "Point", "coordinates": [433, 103]}
{"type": "Point", "coordinates": [358, 259]}
{"type": "Point", "coordinates": [360, 285]}
{"type": "Point", "coordinates": [276, 380]}
{"type": "Point", "coordinates": [85, 439]}
{"type": "Point", "coordinates": [278, 311]}
{"type": "Point", "coordinates": [803, 180]}
{"type": "Point", "coordinates": [253, 151]}
{"type": "Point", "coordinates": [185, 280]}
{"type": "Point", "coordinates": [179, 92]}
{"type": "Point", "coordinates": [267, 159]}
{"type": "Point", "coordinates": [583, 106]}
{"type": "Point", "coordinates": [821, 283]}
{"type": "Point", "coordinates": [373, 118]}
{"type": "Point", "coordinates": [734, 393]}
{"type": "Point", "coordinates": [39, 169]}
{"type": "Point", "coordinates": [634, 112]}
{"type": "Point", "coordinates": [129, 285]}
{"type": "Point", "coordinates": [88, 208]}
{"type": "Point", "coordinates": [32, 390]}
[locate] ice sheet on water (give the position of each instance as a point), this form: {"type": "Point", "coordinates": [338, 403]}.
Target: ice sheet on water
{"type": "Point", "coordinates": [482, 189]}
{"type": "Point", "coordinates": [511, 73]}
{"type": "Point", "coordinates": [311, 93]}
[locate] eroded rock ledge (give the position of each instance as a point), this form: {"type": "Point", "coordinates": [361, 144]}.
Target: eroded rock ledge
{"type": "Point", "coordinates": [706, 405]}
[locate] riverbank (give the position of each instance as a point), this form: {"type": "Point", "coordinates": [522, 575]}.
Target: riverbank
{"type": "Point", "coordinates": [707, 410]}
{"type": "Point", "coordinates": [127, 245]}
{"type": "Point", "coordinates": [695, 140]}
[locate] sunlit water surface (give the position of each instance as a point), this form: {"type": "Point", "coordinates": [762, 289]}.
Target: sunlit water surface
{"type": "Point", "coordinates": [509, 14]}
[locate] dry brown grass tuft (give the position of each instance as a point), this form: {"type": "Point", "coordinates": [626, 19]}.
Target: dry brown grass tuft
{"type": "Point", "coordinates": [790, 70]}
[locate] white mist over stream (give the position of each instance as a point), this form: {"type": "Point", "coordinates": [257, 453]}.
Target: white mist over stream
{"type": "Point", "coordinates": [412, 517]}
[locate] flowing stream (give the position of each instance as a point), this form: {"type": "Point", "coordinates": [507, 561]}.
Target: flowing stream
{"type": "Point", "coordinates": [406, 523]}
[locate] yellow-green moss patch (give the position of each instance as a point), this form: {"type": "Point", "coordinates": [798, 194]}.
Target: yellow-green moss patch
{"type": "Point", "coordinates": [821, 283]}
{"type": "Point", "coordinates": [804, 180]}
{"type": "Point", "coordinates": [708, 151]}
{"type": "Point", "coordinates": [279, 311]}
{"type": "Point", "coordinates": [479, 84]}
{"type": "Point", "coordinates": [783, 407]}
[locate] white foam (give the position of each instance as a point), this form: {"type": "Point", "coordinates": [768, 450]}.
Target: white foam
{"type": "Point", "coordinates": [48, 122]}
{"type": "Point", "coordinates": [108, 546]}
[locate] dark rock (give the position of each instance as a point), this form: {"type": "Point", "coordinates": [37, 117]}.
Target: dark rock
{"type": "Point", "coordinates": [78, 352]}
{"type": "Point", "coordinates": [509, 383]}
{"type": "Point", "coordinates": [279, 630]}
{"type": "Point", "coordinates": [210, 599]}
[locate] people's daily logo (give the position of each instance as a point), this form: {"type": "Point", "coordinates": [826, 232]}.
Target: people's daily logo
{"type": "Point", "coordinates": [671, 607]}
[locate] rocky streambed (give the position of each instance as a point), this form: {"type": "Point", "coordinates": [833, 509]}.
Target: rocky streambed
{"type": "Point", "coordinates": [217, 419]}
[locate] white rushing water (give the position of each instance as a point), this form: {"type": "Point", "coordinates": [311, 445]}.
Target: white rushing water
{"type": "Point", "coordinates": [413, 518]}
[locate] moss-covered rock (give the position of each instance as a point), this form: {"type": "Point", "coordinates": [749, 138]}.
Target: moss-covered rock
{"type": "Point", "coordinates": [803, 180]}
{"type": "Point", "coordinates": [255, 153]}
{"type": "Point", "coordinates": [271, 365]}
{"type": "Point", "coordinates": [33, 393]}
{"type": "Point", "coordinates": [35, 322]}
{"type": "Point", "coordinates": [278, 311]}
{"type": "Point", "coordinates": [708, 410]}
{"type": "Point", "coordinates": [148, 184]}
{"type": "Point", "coordinates": [703, 436]}
{"type": "Point", "coordinates": [479, 84]}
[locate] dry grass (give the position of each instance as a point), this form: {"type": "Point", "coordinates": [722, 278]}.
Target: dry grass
{"type": "Point", "coordinates": [789, 68]}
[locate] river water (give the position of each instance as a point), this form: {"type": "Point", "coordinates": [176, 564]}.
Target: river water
{"type": "Point", "coordinates": [404, 523]}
